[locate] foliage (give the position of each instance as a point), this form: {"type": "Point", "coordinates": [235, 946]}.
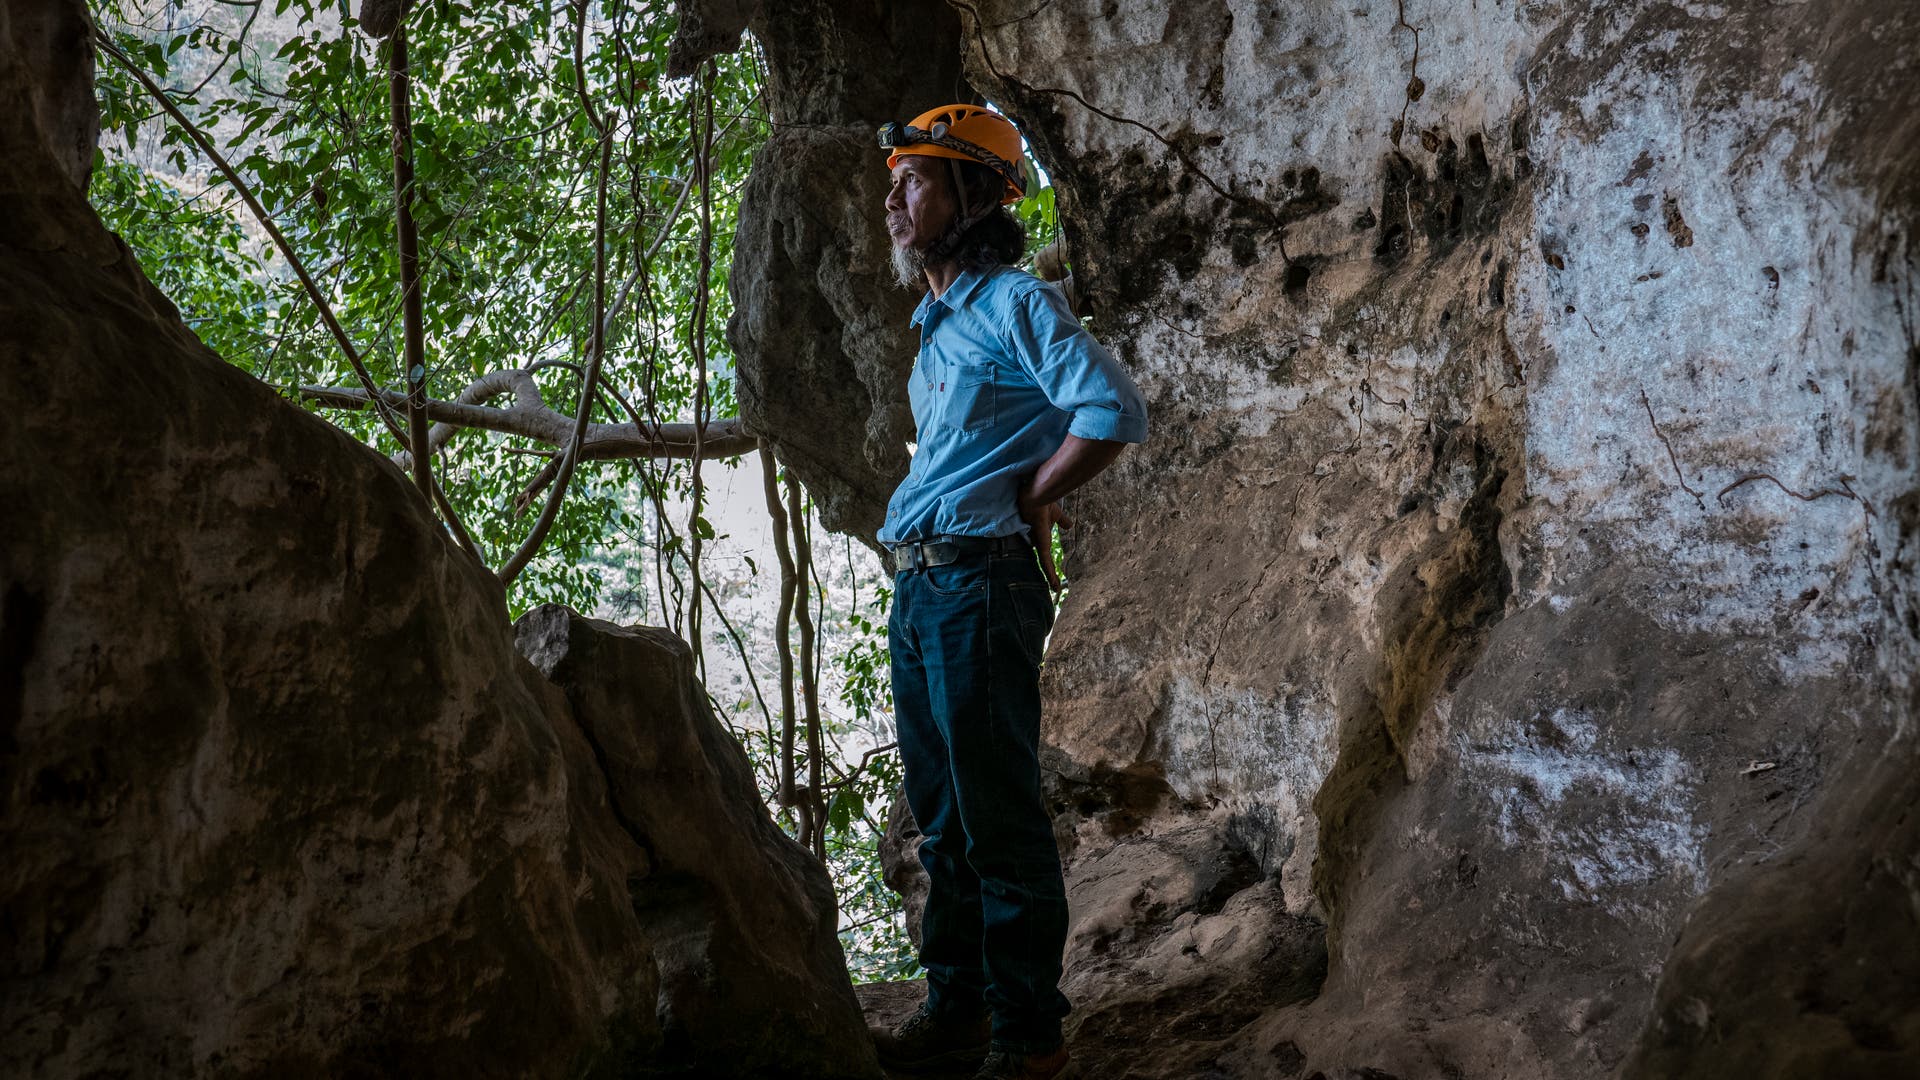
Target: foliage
{"type": "Point", "coordinates": [1037, 213]}
{"type": "Point", "coordinates": [870, 913]}
{"type": "Point", "coordinates": [193, 250]}
{"type": "Point", "coordinates": [506, 161]}
{"type": "Point", "coordinates": [869, 910]}
{"type": "Point", "coordinates": [867, 688]}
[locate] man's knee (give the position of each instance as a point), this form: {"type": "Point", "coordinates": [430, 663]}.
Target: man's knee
{"type": "Point", "coordinates": [1026, 860]}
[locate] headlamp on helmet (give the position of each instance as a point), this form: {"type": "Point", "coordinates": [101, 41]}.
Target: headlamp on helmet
{"type": "Point", "coordinates": [895, 135]}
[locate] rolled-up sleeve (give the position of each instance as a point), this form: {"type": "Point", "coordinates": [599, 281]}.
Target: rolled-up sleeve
{"type": "Point", "coordinates": [1076, 372]}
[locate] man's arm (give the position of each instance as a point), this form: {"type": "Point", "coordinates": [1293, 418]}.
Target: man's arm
{"type": "Point", "coordinates": [1080, 377]}
{"type": "Point", "coordinates": [1077, 461]}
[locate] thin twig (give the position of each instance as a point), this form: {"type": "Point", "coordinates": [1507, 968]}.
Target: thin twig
{"type": "Point", "coordinates": [1845, 490]}
{"type": "Point", "coordinates": [1671, 456]}
{"type": "Point", "coordinates": [1415, 87]}
{"type": "Point", "coordinates": [1179, 152]}
{"type": "Point", "coordinates": [532, 419]}
{"type": "Point", "coordinates": [228, 54]}
{"type": "Point", "coordinates": [740, 648]}
{"type": "Point", "coordinates": [866, 758]}
{"type": "Point", "coordinates": [1366, 387]}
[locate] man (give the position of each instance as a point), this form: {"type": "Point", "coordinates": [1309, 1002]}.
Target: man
{"type": "Point", "coordinates": [1015, 405]}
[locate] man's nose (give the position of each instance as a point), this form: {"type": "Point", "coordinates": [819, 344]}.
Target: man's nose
{"type": "Point", "coordinates": [894, 199]}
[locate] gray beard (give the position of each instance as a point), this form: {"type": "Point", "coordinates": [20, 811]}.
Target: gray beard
{"type": "Point", "coordinates": [909, 267]}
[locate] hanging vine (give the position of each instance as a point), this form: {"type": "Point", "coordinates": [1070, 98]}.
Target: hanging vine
{"type": "Point", "coordinates": [700, 106]}
{"type": "Point", "coordinates": [499, 239]}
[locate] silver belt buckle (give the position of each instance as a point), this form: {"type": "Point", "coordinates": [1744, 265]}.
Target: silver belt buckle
{"type": "Point", "coordinates": [905, 557]}
{"type": "Point", "coordinates": [920, 555]}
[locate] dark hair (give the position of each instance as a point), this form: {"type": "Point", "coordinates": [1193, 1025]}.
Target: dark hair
{"type": "Point", "coordinates": [998, 239]}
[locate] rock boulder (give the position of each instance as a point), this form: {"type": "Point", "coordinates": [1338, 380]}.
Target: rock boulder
{"type": "Point", "coordinates": [281, 798]}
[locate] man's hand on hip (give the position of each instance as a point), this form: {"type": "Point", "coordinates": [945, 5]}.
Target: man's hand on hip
{"type": "Point", "coordinates": [1041, 518]}
{"type": "Point", "coordinates": [1077, 461]}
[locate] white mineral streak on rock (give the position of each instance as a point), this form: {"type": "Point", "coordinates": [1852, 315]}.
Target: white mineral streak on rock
{"type": "Point", "coordinates": [1698, 273]}
{"type": "Point", "coordinates": [1635, 826]}
{"type": "Point", "coordinates": [1255, 753]}
{"type": "Point", "coordinates": [1353, 64]}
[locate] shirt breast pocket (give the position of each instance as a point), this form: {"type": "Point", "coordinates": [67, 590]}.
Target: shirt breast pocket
{"type": "Point", "coordinates": [972, 398]}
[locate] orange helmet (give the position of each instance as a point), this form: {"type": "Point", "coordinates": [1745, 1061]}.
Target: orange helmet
{"type": "Point", "coordinates": [965, 133]}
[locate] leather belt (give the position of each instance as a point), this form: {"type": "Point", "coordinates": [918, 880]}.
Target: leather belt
{"type": "Point", "coordinates": [942, 550]}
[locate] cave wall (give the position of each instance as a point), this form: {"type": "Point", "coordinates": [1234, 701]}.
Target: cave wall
{"type": "Point", "coordinates": [824, 337]}
{"type": "Point", "coordinates": [281, 796]}
{"type": "Point", "coordinates": [1519, 576]}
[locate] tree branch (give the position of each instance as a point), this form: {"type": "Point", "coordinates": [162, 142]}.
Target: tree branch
{"type": "Point", "coordinates": [412, 320]}
{"type": "Point", "coordinates": [702, 168]}
{"type": "Point", "coordinates": [530, 418]}
{"type": "Point", "coordinates": [810, 690]}
{"type": "Point", "coordinates": [200, 139]}
{"type": "Point", "coordinates": [1678, 472]}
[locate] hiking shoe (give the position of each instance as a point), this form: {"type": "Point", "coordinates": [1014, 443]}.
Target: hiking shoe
{"type": "Point", "coordinates": [924, 1041]}
{"type": "Point", "coordinates": [1008, 1065]}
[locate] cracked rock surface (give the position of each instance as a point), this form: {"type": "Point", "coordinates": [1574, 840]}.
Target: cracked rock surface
{"type": "Point", "coordinates": [1520, 574]}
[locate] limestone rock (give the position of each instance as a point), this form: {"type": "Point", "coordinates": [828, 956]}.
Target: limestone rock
{"type": "Point", "coordinates": [740, 918]}
{"type": "Point", "coordinates": [1178, 941]}
{"type": "Point", "coordinates": [49, 92]}
{"type": "Point", "coordinates": [380, 18]}
{"type": "Point", "coordinates": [280, 796]}
{"type": "Point", "coordinates": [820, 331]}
{"type": "Point", "coordinates": [900, 863]}
{"type": "Point", "coordinates": [1521, 567]}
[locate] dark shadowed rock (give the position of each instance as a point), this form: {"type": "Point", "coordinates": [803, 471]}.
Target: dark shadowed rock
{"type": "Point", "coordinates": [741, 918]}
{"type": "Point", "coordinates": [278, 796]}
{"type": "Point", "coordinates": [899, 849]}
{"type": "Point", "coordinates": [51, 96]}
{"type": "Point", "coordinates": [380, 18]}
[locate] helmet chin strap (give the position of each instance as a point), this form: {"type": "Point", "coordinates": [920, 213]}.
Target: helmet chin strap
{"type": "Point", "coordinates": [963, 219]}
{"type": "Point", "coordinates": [959, 187]}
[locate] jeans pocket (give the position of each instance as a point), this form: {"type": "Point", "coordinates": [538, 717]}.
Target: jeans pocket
{"type": "Point", "coordinates": [966, 578]}
{"type": "Point", "coordinates": [1033, 610]}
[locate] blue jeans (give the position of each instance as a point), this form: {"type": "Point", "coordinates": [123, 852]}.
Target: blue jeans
{"type": "Point", "coordinates": [966, 640]}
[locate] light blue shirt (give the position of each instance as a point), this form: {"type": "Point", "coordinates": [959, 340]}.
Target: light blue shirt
{"type": "Point", "coordinates": [1005, 374]}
